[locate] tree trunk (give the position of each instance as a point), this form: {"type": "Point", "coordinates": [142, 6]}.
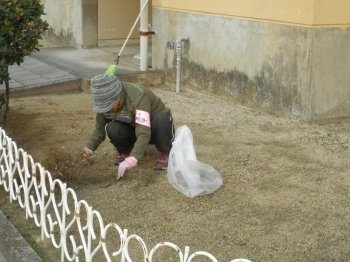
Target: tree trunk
{"type": "Point", "coordinates": [6, 106]}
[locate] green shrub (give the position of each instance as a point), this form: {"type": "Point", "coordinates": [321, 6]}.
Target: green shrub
{"type": "Point", "coordinates": [20, 30]}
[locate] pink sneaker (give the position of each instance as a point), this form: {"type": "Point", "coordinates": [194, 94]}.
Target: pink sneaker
{"type": "Point", "coordinates": [162, 162]}
{"type": "Point", "coordinates": [120, 157]}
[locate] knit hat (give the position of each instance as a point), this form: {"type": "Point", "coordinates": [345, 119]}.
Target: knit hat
{"type": "Point", "coordinates": [105, 89]}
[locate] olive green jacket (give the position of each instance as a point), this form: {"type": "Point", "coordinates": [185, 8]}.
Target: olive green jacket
{"type": "Point", "coordinates": [134, 96]}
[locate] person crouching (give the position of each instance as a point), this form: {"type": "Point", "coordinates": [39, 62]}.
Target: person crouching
{"type": "Point", "coordinates": [132, 117]}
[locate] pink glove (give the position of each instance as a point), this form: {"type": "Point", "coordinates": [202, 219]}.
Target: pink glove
{"type": "Point", "coordinates": [88, 151]}
{"type": "Point", "coordinates": [128, 163]}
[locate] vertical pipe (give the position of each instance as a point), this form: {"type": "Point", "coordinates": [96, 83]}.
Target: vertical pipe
{"type": "Point", "coordinates": [144, 38]}
{"type": "Point", "coordinates": [178, 60]}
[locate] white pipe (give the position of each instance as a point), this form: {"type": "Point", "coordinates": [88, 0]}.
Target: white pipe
{"type": "Point", "coordinates": [132, 29]}
{"type": "Point", "coordinates": [144, 38]}
{"type": "Point", "coordinates": [178, 60]}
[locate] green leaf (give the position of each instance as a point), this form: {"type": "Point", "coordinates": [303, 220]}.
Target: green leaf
{"type": "Point", "coordinates": [20, 31]}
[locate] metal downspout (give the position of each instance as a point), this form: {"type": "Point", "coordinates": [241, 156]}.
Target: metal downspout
{"type": "Point", "coordinates": [178, 60]}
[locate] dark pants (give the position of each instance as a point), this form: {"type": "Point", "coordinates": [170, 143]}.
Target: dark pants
{"type": "Point", "coordinates": [122, 135]}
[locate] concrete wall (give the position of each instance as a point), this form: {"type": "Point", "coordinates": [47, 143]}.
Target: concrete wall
{"type": "Point", "coordinates": [84, 22]}
{"type": "Point", "coordinates": [71, 23]}
{"type": "Point", "coordinates": [286, 66]}
{"type": "Point", "coordinates": [59, 15]}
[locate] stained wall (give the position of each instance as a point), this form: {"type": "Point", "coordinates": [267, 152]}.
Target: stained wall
{"type": "Point", "coordinates": [282, 56]}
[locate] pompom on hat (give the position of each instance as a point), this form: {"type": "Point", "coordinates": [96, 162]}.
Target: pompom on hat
{"type": "Point", "coordinates": [105, 89]}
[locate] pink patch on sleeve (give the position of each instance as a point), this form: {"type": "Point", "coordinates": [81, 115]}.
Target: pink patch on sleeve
{"type": "Point", "coordinates": [142, 118]}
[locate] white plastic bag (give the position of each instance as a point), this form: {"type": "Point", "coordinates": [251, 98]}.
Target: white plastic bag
{"type": "Point", "coordinates": [185, 173]}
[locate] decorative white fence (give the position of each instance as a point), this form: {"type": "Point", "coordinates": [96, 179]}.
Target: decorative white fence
{"type": "Point", "coordinates": [27, 183]}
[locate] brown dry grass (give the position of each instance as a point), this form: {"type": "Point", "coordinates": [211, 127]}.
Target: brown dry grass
{"type": "Point", "coordinates": [286, 188]}
{"type": "Point", "coordinates": [65, 165]}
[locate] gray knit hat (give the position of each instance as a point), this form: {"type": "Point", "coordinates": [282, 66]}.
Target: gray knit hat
{"type": "Point", "coordinates": [105, 89]}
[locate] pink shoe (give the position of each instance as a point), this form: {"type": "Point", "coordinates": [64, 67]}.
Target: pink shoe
{"type": "Point", "coordinates": [162, 162]}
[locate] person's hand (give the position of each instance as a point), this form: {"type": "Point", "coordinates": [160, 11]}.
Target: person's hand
{"type": "Point", "coordinates": [128, 163]}
{"type": "Point", "coordinates": [88, 151]}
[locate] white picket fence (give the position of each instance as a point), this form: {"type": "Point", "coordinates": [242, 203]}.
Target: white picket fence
{"type": "Point", "coordinates": [26, 182]}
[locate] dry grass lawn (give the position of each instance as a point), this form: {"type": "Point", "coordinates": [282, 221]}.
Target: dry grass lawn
{"type": "Point", "coordinates": [286, 190]}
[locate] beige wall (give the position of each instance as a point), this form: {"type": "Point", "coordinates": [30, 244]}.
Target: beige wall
{"type": "Point", "coordinates": [116, 18]}
{"type": "Point", "coordinates": [332, 12]}
{"type": "Point", "coordinates": [302, 12]}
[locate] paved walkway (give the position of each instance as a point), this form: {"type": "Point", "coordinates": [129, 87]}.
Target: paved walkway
{"type": "Point", "coordinates": [33, 73]}
{"type": "Point", "coordinates": [66, 68]}
{"type": "Point", "coordinates": [56, 70]}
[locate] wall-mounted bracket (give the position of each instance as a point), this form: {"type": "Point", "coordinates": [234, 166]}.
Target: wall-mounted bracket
{"type": "Point", "coordinates": [148, 33]}
{"type": "Point", "coordinates": [170, 45]}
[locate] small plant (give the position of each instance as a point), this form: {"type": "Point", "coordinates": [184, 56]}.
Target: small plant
{"type": "Point", "coordinates": [64, 165]}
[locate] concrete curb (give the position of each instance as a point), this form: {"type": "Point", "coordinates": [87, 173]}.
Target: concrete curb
{"type": "Point", "coordinates": [148, 79]}
{"type": "Point", "coordinates": [57, 87]}
{"type": "Point", "coordinates": [13, 246]}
